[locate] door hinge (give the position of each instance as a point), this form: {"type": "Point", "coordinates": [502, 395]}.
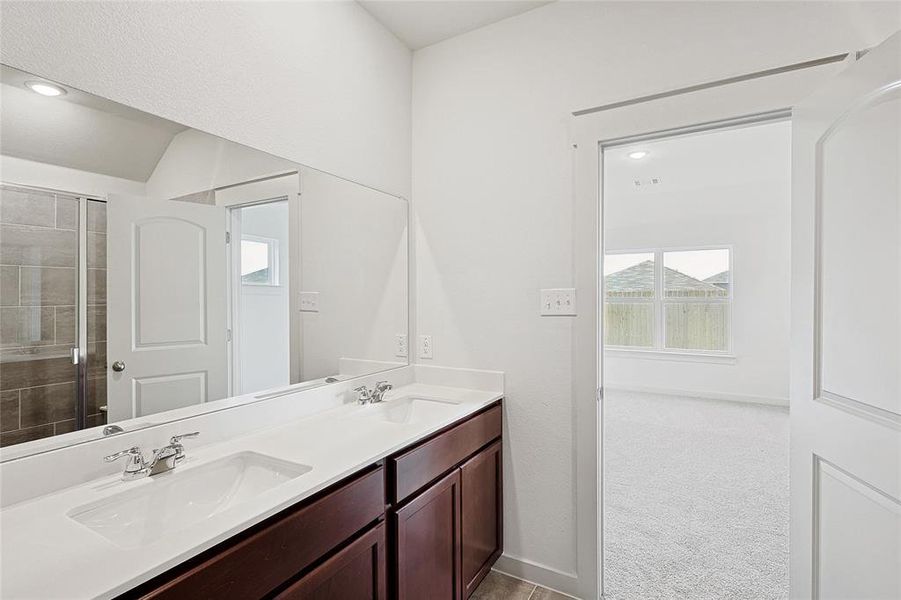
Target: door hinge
{"type": "Point", "coordinates": [228, 335]}
{"type": "Point", "coordinates": [599, 394]}
{"type": "Point", "coordinates": [228, 237]}
{"type": "Point", "coordinates": [76, 353]}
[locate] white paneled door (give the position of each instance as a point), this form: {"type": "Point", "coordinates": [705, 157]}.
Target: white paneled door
{"type": "Point", "coordinates": [846, 334]}
{"type": "Point", "coordinates": [167, 292]}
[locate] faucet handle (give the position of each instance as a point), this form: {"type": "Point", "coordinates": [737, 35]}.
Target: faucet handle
{"type": "Point", "coordinates": [383, 385]}
{"type": "Point", "coordinates": [134, 452]}
{"type": "Point", "coordinates": [176, 439]}
{"type": "Point", "coordinates": [136, 467]}
{"type": "Point", "coordinates": [364, 394]}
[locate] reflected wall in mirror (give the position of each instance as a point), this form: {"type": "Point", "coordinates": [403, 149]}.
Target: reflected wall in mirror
{"type": "Point", "coordinates": [149, 267]}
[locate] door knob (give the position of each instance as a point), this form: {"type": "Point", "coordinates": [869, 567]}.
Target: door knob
{"type": "Point", "coordinates": [118, 366]}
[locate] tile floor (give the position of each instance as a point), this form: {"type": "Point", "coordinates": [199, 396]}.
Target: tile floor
{"type": "Point", "coordinates": [498, 586]}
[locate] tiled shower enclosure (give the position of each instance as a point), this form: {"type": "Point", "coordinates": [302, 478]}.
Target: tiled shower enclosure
{"type": "Point", "coordinates": [39, 242]}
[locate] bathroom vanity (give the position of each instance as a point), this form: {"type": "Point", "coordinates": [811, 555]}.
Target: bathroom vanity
{"type": "Point", "coordinates": [220, 298]}
{"type": "Point", "coordinates": [425, 522]}
{"type": "Point", "coordinates": [306, 495]}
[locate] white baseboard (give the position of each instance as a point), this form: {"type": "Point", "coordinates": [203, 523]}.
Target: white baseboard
{"type": "Point", "coordinates": [769, 401]}
{"type": "Point", "coordinates": [547, 577]}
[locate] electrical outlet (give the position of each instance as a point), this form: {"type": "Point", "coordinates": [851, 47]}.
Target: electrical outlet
{"type": "Point", "coordinates": [309, 302]}
{"type": "Point", "coordinates": [558, 302]}
{"type": "Point", "coordinates": [400, 345]}
{"type": "Point", "coordinates": [425, 346]}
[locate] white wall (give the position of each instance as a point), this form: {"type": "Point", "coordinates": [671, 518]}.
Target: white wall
{"type": "Point", "coordinates": [320, 83]}
{"type": "Point", "coordinates": [726, 188]}
{"type": "Point", "coordinates": [492, 191]}
{"type": "Point", "coordinates": [354, 254]}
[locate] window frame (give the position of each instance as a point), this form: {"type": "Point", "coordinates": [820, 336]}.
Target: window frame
{"type": "Point", "coordinates": [273, 265]}
{"type": "Point", "coordinates": [660, 301]}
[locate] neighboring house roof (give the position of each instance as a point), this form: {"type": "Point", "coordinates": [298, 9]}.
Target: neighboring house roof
{"type": "Point", "coordinates": [719, 278]}
{"type": "Point", "coordinates": [637, 281]}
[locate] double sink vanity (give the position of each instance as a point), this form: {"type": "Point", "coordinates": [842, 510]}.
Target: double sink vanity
{"type": "Point", "coordinates": [398, 498]}
{"type": "Point", "coordinates": [206, 388]}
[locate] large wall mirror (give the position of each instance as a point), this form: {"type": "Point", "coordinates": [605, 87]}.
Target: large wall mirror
{"type": "Point", "coordinates": [148, 267]}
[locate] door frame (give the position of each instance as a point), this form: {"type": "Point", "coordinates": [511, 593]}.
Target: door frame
{"type": "Point", "coordinates": [270, 189]}
{"type": "Point", "coordinates": [744, 100]}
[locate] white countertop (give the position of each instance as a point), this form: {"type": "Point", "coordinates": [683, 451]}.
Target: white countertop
{"type": "Point", "coordinates": [46, 554]}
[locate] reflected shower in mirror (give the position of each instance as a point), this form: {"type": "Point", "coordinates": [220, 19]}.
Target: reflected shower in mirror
{"type": "Point", "coordinates": [149, 268]}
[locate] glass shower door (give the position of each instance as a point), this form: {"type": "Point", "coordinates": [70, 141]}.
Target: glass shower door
{"type": "Point", "coordinates": [38, 316]}
{"type": "Point", "coordinates": [52, 302]}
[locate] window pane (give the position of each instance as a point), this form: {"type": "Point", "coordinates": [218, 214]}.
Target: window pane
{"type": "Point", "coordinates": [629, 324]}
{"type": "Point", "coordinates": [697, 274]}
{"type": "Point", "coordinates": [629, 275]}
{"type": "Point", "coordinates": [255, 262]}
{"type": "Point", "coordinates": [697, 325]}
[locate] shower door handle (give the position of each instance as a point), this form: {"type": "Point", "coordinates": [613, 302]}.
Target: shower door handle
{"type": "Point", "coordinates": [118, 366]}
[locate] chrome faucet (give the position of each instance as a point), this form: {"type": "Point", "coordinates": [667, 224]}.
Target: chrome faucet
{"type": "Point", "coordinates": [164, 459]}
{"type": "Point", "coordinates": [377, 394]}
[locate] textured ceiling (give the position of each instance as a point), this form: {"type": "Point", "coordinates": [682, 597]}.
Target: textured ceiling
{"type": "Point", "coordinates": [423, 23]}
{"type": "Point", "coordinates": [80, 130]}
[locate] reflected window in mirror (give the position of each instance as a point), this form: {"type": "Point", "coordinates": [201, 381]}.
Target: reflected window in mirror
{"type": "Point", "coordinates": [259, 261]}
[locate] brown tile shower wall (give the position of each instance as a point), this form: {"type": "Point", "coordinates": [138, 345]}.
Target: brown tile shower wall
{"type": "Point", "coordinates": [38, 316]}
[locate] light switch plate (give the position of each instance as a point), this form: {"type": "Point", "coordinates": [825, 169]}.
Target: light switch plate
{"type": "Point", "coordinates": [400, 345]}
{"type": "Point", "coordinates": [309, 302]}
{"type": "Point", "coordinates": [558, 302]}
{"type": "Point", "coordinates": [425, 346]}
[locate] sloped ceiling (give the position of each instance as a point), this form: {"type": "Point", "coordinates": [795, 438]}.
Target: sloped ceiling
{"type": "Point", "coordinates": [79, 130]}
{"type": "Point", "coordinates": [423, 23]}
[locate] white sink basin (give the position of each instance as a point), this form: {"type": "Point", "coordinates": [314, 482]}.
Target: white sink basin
{"type": "Point", "coordinates": [175, 500]}
{"type": "Point", "coordinates": [407, 410]}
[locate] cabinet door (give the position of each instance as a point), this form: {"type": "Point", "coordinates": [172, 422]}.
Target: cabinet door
{"type": "Point", "coordinates": [356, 573]}
{"type": "Point", "coordinates": [427, 530]}
{"type": "Point", "coordinates": [482, 515]}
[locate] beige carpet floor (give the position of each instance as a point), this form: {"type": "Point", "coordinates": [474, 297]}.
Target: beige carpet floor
{"type": "Point", "coordinates": [696, 499]}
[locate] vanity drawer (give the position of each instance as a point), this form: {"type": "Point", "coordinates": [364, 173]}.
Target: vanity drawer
{"type": "Point", "coordinates": [424, 463]}
{"type": "Point", "coordinates": [267, 558]}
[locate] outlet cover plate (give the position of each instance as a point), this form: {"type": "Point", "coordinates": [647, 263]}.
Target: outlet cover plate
{"type": "Point", "coordinates": [400, 345]}
{"type": "Point", "coordinates": [425, 346]}
{"type": "Point", "coordinates": [309, 302]}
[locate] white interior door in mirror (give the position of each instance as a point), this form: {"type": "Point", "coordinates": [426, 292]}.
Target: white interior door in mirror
{"type": "Point", "coordinates": [167, 306]}
{"type": "Point", "coordinates": [860, 254]}
{"type": "Point", "coordinates": [846, 332]}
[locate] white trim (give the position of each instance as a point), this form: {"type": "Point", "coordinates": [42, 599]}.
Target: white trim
{"type": "Point", "coordinates": [705, 395]}
{"type": "Point", "coordinates": [672, 355]}
{"type": "Point", "coordinates": [772, 95]}
{"type": "Point", "coordinates": [532, 572]}
{"type": "Point", "coordinates": [272, 256]}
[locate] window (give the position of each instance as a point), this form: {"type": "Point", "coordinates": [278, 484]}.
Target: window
{"type": "Point", "coordinates": [259, 261]}
{"type": "Point", "coordinates": [679, 300]}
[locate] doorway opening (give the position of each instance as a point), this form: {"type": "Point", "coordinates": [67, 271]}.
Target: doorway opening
{"type": "Point", "coordinates": [696, 310]}
{"type": "Point", "coordinates": [261, 327]}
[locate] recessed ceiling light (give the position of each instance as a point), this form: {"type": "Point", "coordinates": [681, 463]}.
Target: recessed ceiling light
{"type": "Point", "coordinates": [45, 88]}
{"type": "Point", "coordinates": [638, 154]}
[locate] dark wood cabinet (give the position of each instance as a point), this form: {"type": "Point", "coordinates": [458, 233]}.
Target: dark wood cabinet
{"type": "Point", "coordinates": [357, 572]}
{"type": "Point", "coordinates": [427, 534]}
{"type": "Point", "coordinates": [413, 469]}
{"type": "Point", "coordinates": [449, 536]}
{"type": "Point", "coordinates": [424, 524]}
{"type": "Point", "coordinates": [265, 557]}
{"type": "Point", "coordinates": [482, 531]}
